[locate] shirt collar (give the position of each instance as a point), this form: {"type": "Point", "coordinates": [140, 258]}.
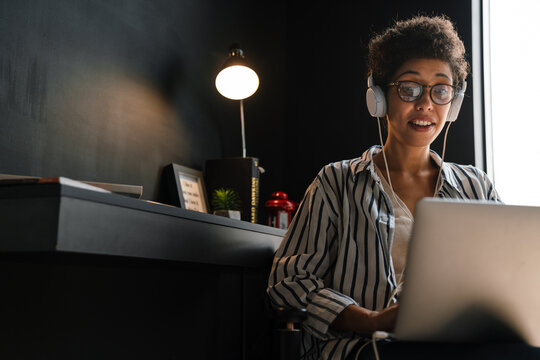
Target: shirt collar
{"type": "Point", "coordinates": [365, 163]}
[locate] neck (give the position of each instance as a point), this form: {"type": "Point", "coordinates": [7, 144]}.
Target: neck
{"type": "Point", "coordinates": [407, 159]}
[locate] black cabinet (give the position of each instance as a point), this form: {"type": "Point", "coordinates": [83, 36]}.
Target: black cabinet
{"type": "Point", "coordinates": [88, 275]}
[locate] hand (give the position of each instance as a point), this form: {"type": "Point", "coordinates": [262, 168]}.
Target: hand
{"type": "Point", "coordinates": [385, 320]}
{"type": "Point", "coordinates": [365, 321]}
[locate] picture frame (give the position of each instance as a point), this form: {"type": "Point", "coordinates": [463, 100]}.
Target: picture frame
{"type": "Point", "coordinates": [186, 188]}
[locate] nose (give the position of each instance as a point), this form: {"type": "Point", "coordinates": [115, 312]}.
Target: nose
{"type": "Point", "coordinates": [424, 102]}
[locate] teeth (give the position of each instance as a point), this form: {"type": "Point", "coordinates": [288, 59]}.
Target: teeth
{"type": "Point", "coordinates": [421, 123]}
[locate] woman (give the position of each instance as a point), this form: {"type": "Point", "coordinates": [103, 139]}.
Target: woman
{"type": "Point", "coordinates": [345, 251]}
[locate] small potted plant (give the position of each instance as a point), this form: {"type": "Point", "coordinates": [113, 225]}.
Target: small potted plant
{"type": "Point", "coordinates": [226, 202]}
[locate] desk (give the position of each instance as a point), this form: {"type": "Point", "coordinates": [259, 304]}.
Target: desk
{"type": "Point", "coordinates": [93, 275]}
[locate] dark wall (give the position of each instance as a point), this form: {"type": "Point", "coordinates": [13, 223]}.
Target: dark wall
{"type": "Point", "coordinates": [327, 115]}
{"type": "Point", "coordinates": [114, 90]}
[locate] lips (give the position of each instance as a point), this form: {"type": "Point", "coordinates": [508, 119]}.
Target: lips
{"type": "Point", "coordinates": [422, 124]}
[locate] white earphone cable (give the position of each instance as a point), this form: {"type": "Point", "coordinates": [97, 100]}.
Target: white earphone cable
{"type": "Point", "coordinates": [442, 161]}
{"type": "Point", "coordinates": [388, 171]}
{"type": "Point", "coordinates": [400, 285]}
{"type": "Point", "coordinates": [374, 342]}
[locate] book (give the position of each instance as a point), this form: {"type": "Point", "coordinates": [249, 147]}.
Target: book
{"type": "Point", "coordinates": [134, 191]}
{"type": "Point", "coordinates": [240, 174]}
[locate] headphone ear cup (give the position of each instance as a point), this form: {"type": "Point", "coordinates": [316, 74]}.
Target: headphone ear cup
{"type": "Point", "coordinates": [376, 101]}
{"type": "Point", "coordinates": [456, 104]}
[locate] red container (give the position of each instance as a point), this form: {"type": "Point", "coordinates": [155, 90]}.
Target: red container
{"type": "Point", "coordinates": [279, 210]}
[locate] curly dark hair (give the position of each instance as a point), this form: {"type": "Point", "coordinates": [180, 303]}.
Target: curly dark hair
{"type": "Point", "coordinates": [418, 37]}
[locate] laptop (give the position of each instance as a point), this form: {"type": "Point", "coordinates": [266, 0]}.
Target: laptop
{"type": "Point", "coordinates": [473, 274]}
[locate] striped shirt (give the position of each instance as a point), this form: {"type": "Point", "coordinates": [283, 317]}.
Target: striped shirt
{"type": "Point", "coordinates": [337, 250]}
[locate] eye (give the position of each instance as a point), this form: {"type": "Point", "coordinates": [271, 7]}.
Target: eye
{"type": "Point", "coordinates": [442, 91]}
{"type": "Point", "coordinates": [410, 90]}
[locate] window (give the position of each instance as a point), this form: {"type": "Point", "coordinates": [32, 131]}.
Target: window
{"type": "Point", "coordinates": [511, 38]}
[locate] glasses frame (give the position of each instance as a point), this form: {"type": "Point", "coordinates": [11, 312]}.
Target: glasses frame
{"type": "Point", "coordinates": [399, 82]}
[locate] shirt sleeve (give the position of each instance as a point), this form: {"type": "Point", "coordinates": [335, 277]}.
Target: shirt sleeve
{"type": "Point", "coordinates": [491, 192]}
{"type": "Point", "coordinates": [305, 259]}
{"type": "Point", "coordinates": [488, 188]}
{"type": "Point", "coordinates": [475, 183]}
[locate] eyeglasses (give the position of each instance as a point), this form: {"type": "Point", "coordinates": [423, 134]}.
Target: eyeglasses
{"type": "Point", "coordinates": [409, 91]}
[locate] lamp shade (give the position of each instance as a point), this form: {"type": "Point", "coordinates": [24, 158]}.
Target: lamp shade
{"type": "Point", "coordinates": [237, 80]}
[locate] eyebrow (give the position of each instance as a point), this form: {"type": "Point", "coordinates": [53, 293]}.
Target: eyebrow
{"type": "Point", "coordinates": [417, 73]}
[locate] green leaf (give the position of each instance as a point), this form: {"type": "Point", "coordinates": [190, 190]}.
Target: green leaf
{"type": "Point", "coordinates": [226, 199]}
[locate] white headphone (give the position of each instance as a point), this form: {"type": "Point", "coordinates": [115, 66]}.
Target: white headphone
{"type": "Point", "coordinates": [376, 101]}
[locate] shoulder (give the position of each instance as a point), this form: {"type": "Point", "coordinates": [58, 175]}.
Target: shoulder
{"type": "Point", "coordinates": [464, 171]}
{"type": "Point", "coordinates": [335, 172]}
{"type": "Point", "coordinates": [333, 180]}
{"type": "Point", "coordinates": [339, 174]}
{"type": "Point", "coordinates": [471, 181]}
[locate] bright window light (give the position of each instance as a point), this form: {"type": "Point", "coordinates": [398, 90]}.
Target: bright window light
{"type": "Point", "coordinates": [515, 64]}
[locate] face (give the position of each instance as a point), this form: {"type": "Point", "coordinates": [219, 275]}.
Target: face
{"type": "Point", "coordinates": [418, 123]}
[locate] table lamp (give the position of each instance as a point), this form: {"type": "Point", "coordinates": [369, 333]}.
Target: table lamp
{"type": "Point", "coordinates": [237, 81]}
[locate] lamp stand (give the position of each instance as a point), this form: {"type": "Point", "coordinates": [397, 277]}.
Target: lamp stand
{"type": "Point", "coordinates": [243, 130]}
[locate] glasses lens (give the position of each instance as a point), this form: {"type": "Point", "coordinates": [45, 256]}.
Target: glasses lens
{"type": "Point", "coordinates": [442, 94]}
{"type": "Point", "coordinates": [409, 91]}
